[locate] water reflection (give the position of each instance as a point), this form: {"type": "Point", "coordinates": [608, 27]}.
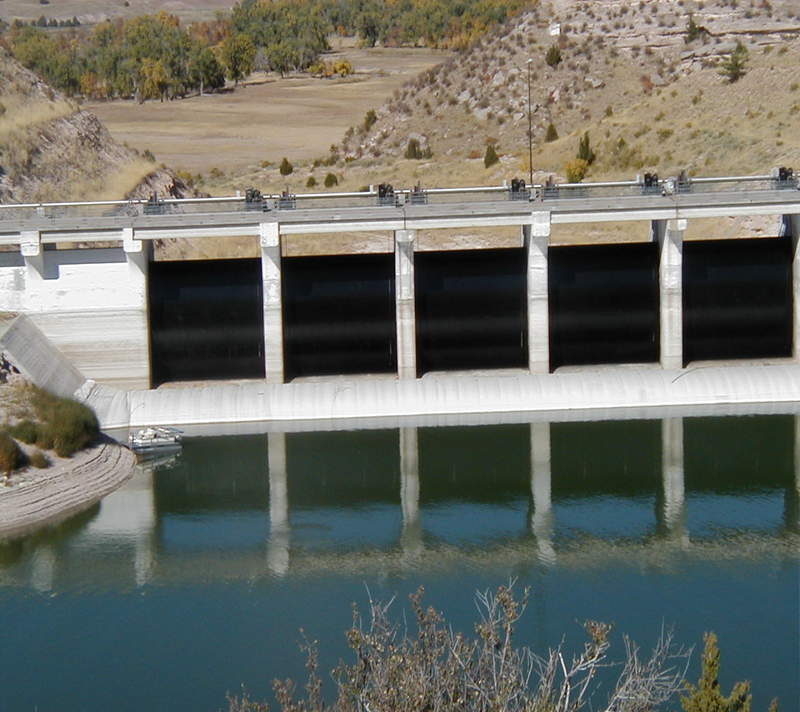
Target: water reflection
{"type": "Point", "coordinates": [689, 521]}
{"type": "Point", "coordinates": [575, 494]}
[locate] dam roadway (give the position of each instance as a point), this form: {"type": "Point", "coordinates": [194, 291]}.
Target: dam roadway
{"type": "Point", "coordinates": [412, 331]}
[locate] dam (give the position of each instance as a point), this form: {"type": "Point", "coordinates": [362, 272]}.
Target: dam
{"type": "Point", "coordinates": [83, 275]}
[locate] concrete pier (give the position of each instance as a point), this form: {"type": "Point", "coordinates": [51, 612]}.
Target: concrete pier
{"type": "Point", "coordinates": [793, 222]}
{"type": "Point", "coordinates": [278, 547]}
{"type": "Point", "coordinates": [270, 239]}
{"type": "Point", "coordinates": [536, 238]}
{"type": "Point", "coordinates": [669, 234]}
{"type": "Point", "coordinates": [541, 522]}
{"type": "Point", "coordinates": [672, 514]}
{"type": "Point", "coordinates": [404, 298]}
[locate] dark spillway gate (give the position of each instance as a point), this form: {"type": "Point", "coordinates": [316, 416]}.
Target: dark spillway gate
{"type": "Point", "coordinates": [471, 309]}
{"type": "Point", "coordinates": [737, 298]}
{"type": "Point", "coordinates": [338, 315]}
{"type": "Point", "coordinates": [604, 304]}
{"type": "Point", "coordinates": [206, 320]}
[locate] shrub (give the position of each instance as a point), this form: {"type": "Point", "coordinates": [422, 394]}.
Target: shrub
{"type": "Point", "coordinates": [286, 168]}
{"type": "Point", "coordinates": [551, 134]}
{"type": "Point", "coordinates": [414, 152]}
{"type": "Point", "coordinates": [576, 170]}
{"type": "Point", "coordinates": [369, 120]}
{"type": "Point", "coordinates": [331, 180]}
{"type": "Point", "coordinates": [66, 425]}
{"type": "Point", "coordinates": [553, 55]}
{"type": "Point", "coordinates": [39, 460]}
{"type": "Point", "coordinates": [26, 430]}
{"type": "Point", "coordinates": [585, 151]}
{"type": "Point", "coordinates": [427, 665]}
{"type": "Point", "coordinates": [490, 157]}
{"type": "Point", "coordinates": [11, 457]}
{"type": "Point", "coordinates": [311, 182]}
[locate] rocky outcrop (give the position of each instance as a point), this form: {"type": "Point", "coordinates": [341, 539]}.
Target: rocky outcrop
{"type": "Point", "coordinates": [51, 150]}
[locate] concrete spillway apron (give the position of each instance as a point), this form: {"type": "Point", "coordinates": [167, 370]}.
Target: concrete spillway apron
{"type": "Point", "coordinates": [348, 400]}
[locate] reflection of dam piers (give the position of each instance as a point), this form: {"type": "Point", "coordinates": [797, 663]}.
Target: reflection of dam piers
{"type": "Point", "coordinates": [406, 310]}
{"type": "Point", "coordinates": [522, 495]}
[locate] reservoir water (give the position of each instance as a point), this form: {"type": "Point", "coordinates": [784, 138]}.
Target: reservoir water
{"type": "Point", "coordinates": [197, 576]}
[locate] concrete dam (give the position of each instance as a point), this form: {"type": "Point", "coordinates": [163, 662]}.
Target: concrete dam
{"type": "Point", "coordinates": [437, 331]}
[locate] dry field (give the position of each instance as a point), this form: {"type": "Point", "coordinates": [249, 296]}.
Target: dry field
{"type": "Point", "coordinates": [268, 118]}
{"type": "Point", "coordinates": [91, 11]}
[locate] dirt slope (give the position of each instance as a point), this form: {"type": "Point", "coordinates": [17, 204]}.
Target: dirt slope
{"type": "Point", "coordinates": [50, 150]}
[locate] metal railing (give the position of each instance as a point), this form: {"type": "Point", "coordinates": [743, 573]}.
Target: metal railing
{"type": "Point", "coordinates": [21, 212]}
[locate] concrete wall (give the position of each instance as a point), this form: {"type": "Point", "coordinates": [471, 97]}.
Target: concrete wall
{"type": "Point", "coordinates": [91, 304]}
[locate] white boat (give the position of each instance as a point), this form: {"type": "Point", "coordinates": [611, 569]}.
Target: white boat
{"type": "Point", "coordinates": [155, 438]}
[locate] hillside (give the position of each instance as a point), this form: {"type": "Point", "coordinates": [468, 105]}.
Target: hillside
{"type": "Point", "coordinates": [650, 100]}
{"type": "Point", "coordinates": [51, 150]}
{"type": "Point", "coordinates": [626, 71]}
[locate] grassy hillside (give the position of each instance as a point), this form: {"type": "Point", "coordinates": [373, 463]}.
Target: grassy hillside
{"type": "Point", "coordinates": [51, 150]}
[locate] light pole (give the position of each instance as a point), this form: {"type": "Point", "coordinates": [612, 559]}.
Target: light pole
{"type": "Point", "coordinates": [530, 131]}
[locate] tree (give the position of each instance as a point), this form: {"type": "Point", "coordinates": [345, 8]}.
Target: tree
{"type": "Point", "coordinates": [551, 134]}
{"type": "Point", "coordinates": [733, 68]}
{"type": "Point", "coordinates": [237, 54]}
{"type": "Point", "coordinates": [154, 79]}
{"type": "Point", "coordinates": [205, 71]}
{"type": "Point", "coordinates": [490, 157]}
{"type": "Point", "coordinates": [286, 168]}
{"type": "Point", "coordinates": [331, 180]}
{"type": "Point", "coordinates": [553, 55]}
{"type": "Point", "coordinates": [585, 151]}
{"type": "Point", "coordinates": [706, 696]}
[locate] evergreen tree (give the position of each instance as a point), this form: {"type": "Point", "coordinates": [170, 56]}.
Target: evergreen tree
{"type": "Point", "coordinates": [286, 168]}
{"type": "Point", "coordinates": [585, 151]}
{"type": "Point", "coordinates": [706, 696]}
{"type": "Point", "coordinates": [733, 68]}
{"type": "Point", "coordinates": [551, 134]}
{"type": "Point", "coordinates": [490, 157]}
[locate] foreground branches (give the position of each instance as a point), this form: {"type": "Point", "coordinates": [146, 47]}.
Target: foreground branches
{"type": "Point", "coordinates": [435, 669]}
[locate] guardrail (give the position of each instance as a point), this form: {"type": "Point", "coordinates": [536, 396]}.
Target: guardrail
{"type": "Point", "coordinates": [517, 190]}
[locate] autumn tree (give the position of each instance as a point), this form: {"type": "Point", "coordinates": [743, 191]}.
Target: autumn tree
{"type": "Point", "coordinates": [237, 54]}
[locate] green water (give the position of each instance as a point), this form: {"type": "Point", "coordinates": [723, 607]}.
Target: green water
{"type": "Point", "coordinates": [196, 577]}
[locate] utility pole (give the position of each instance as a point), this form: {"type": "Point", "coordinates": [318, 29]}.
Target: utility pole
{"type": "Point", "coordinates": [530, 131]}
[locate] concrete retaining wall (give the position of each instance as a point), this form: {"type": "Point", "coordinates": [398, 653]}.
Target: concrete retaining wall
{"type": "Point", "coordinates": [90, 303]}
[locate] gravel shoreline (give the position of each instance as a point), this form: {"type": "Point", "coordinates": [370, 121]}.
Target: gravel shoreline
{"type": "Point", "coordinates": [65, 488]}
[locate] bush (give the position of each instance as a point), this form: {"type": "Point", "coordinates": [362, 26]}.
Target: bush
{"type": "Point", "coordinates": [430, 666]}
{"type": "Point", "coordinates": [576, 170]}
{"type": "Point", "coordinates": [11, 457]}
{"type": "Point", "coordinates": [286, 168]}
{"type": "Point", "coordinates": [369, 120]}
{"type": "Point", "coordinates": [551, 134]}
{"type": "Point", "coordinates": [414, 152]}
{"type": "Point", "coordinates": [26, 431]}
{"type": "Point", "coordinates": [311, 182]}
{"type": "Point", "coordinates": [331, 180]}
{"type": "Point", "coordinates": [66, 425]}
{"type": "Point", "coordinates": [553, 56]}
{"type": "Point", "coordinates": [39, 460]}
{"type": "Point", "coordinates": [490, 157]}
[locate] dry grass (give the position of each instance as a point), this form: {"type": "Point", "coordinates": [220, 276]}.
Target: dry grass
{"type": "Point", "coordinates": [91, 11]}
{"type": "Point", "coordinates": [23, 112]}
{"type": "Point", "coordinates": [267, 118]}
